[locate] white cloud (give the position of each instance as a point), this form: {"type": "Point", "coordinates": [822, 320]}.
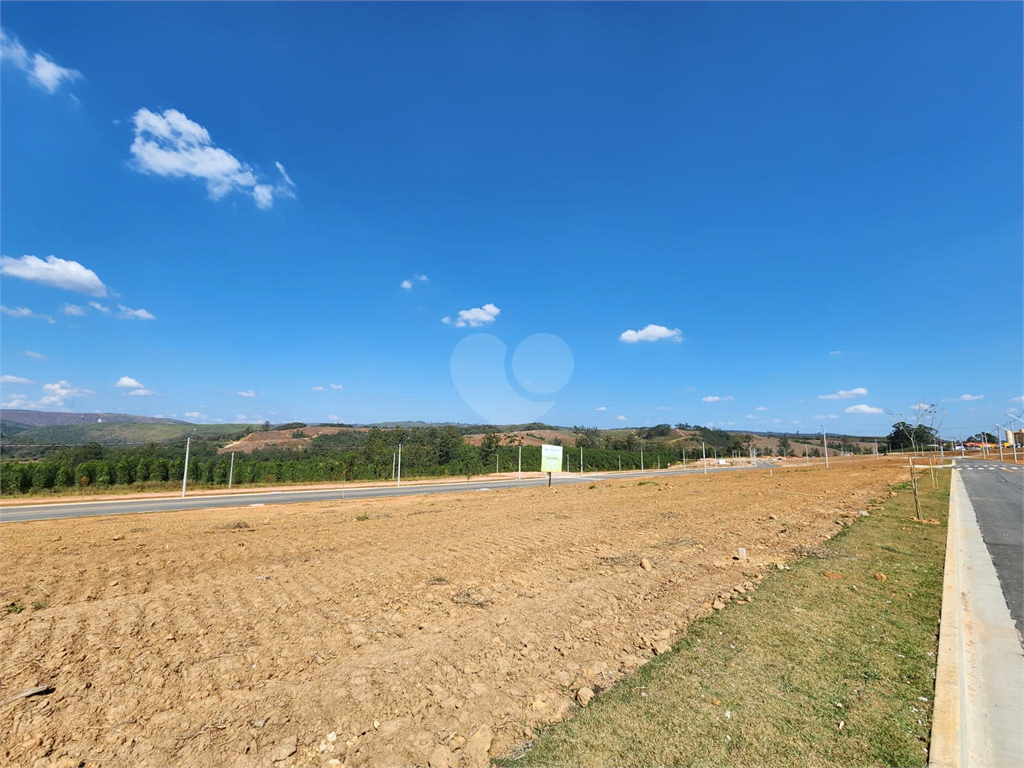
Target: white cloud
{"type": "Point", "coordinates": [99, 307]}
{"type": "Point", "coordinates": [42, 71]}
{"type": "Point", "coordinates": [334, 417]}
{"type": "Point", "coordinates": [920, 407]}
{"type": "Point", "coordinates": [750, 416]}
{"type": "Point", "coordinates": [55, 394]}
{"type": "Point", "coordinates": [651, 333]}
{"type": "Point", "coordinates": [844, 394]}
{"type": "Point", "coordinates": [143, 392]}
{"type": "Point", "coordinates": [284, 174]}
{"type": "Point", "coordinates": [620, 418]}
{"type": "Point", "coordinates": [35, 355]}
{"type": "Point", "coordinates": [74, 309]}
{"type": "Point", "coordinates": [972, 397]}
{"type": "Point", "coordinates": [5, 379]}
{"type": "Point", "coordinates": [717, 399]}
{"type": "Point", "coordinates": [830, 416]}
{"type": "Point", "coordinates": [24, 312]}
{"type": "Point", "coordinates": [861, 408]}
{"type": "Point", "coordinates": [836, 352]}
{"type": "Point", "coordinates": [1016, 399]}
{"type": "Point", "coordinates": [664, 407]}
{"type": "Point", "coordinates": [242, 418]}
{"type": "Point", "coordinates": [446, 320]}
{"type": "Point", "coordinates": [407, 284]}
{"type": "Point", "coordinates": [194, 415]}
{"type": "Point", "coordinates": [601, 408]}
{"type": "Point", "coordinates": [247, 393]}
{"type": "Point", "coordinates": [317, 389]}
{"type": "Point", "coordinates": [475, 317]}
{"type": "Point", "coordinates": [127, 382]}
{"type": "Point", "coordinates": [58, 273]}
{"type": "Point", "coordinates": [760, 408]}
{"type": "Point", "coordinates": [171, 145]}
{"type": "Point", "coordinates": [134, 314]}
{"type": "Point", "coordinates": [337, 386]}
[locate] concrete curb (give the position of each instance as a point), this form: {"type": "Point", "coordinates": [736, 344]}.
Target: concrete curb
{"type": "Point", "coordinates": [979, 682]}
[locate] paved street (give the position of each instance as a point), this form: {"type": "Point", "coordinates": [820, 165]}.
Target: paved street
{"type": "Point", "coordinates": [996, 491]}
{"type": "Point", "coordinates": [12, 514]}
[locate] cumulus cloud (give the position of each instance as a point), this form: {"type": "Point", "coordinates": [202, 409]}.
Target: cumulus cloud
{"type": "Point", "coordinates": [99, 307]}
{"type": "Point", "coordinates": [337, 386]}
{"type": "Point", "coordinates": [54, 395]}
{"type": "Point", "coordinates": [247, 393]}
{"type": "Point", "coordinates": [74, 309]}
{"type": "Point", "coordinates": [24, 312]}
{"type": "Point", "coordinates": [1016, 399]}
{"type": "Point", "coordinates": [35, 355]}
{"type": "Point", "coordinates": [407, 284]}
{"type": "Point", "coordinates": [194, 415]}
{"type": "Point", "coordinates": [760, 408]}
{"type": "Point", "coordinates": [5, 379]}
{"type": "Point", "coordinates": [866, 409]}
{"type": "Point", "coordinates": [128, 382]}
{"type": "Point", "coordinates": [972, 397]}
{"type": "Point", "coordinates": [171, 145]}
{"type": "Point", "coordinates": [844, 394]}
{"type": "Point", "coordinates": [126, 313]}
{"type": "Point", "coordinates": [717, 399]}
{"type": "Point", "coordinates": [836, 352]}
{"type": "Point", "coordinates": [664, 407]}
{"type": "Point", "coordinates": [601, 408]}
{"type": "Point", "coordinates": [474, 317]}
{"type": "Point", "coordinates": [829, 416]}
{"type": "Point", "coordinates": [620, 418]}
{"type": "Point", "coordinates": [42, 71]}
{"type": "Point", "coordinates": [651, 333]}
{"type": "Point", "coordinates": [142, 392]}
{"type": "Point", "coordinates": [58, 273]}
{"type": "Point", "coordinates": [317, 389]}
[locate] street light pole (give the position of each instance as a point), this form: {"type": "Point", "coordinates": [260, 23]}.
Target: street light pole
{"type": "Point", "coordinates": [184, 476]}
{"type": "Point", "coordinates": [399, 464]}
{"type": "Point", "coordinates": [704, 455]}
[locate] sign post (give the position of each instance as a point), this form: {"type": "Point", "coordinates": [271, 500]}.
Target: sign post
{"type": "Point", "coordinates": [550, 460]}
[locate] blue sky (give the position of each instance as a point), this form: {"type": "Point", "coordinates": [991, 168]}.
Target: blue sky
{"type": "Point", "coordinates": [759, 216]}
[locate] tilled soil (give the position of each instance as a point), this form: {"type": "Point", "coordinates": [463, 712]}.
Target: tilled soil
{"type": "Point", "coordinates": [424, 630]}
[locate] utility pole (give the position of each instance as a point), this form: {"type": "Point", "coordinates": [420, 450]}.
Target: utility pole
{"type": "Point", "coordinates": [520, 476]}
{"type": "Point", "coordinates": [824, 442]}
{"type": "Point", "coordinates": [231, 471]}
{"type": "Point", "coordinates": [704, 453]}
{"type": "Point", "coordinates": [620, 463]}
{"type": "Point", "coordinates": [393, 457]}
{"type": "Point", "coordinates": [184, 476]}
{"type": "Point", "coordinates": [999, 440]}
{"type": "Point", "coordinates": [399, 464]}
{"type": "Point", "coordinates": [641, 458]}
{"type": "Point", "coordinates": [581, 459]}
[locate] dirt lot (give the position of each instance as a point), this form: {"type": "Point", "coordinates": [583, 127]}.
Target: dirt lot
{"type": "Point", "coordinates": [426, 630]}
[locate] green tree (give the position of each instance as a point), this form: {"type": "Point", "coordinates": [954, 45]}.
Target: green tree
{"type": "Point", "coordinates": [784, 446]}
{"type": "Point", "coordinates": [489, 447]}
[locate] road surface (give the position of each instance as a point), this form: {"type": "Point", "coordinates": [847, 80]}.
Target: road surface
{"type": "Point", "coordinates": [996, 491]}
{"type": "Point", "coordinates": [27, 512]}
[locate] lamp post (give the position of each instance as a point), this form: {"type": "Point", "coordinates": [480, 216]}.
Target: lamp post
{"type": "Point", "coordinates": [824, 442]}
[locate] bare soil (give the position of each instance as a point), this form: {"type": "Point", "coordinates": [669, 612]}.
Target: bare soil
{"type": "Point", "coordinates": [283, 438]}
{"type": "Point", "coordinates": [422, 630]}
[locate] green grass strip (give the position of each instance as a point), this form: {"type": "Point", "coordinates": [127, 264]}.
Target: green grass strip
{"type": "Point", "coordinates": [828, 665]}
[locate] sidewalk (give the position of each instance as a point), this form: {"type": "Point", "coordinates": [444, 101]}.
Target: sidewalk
{"type": "Point", "coordinates": [979, 683]}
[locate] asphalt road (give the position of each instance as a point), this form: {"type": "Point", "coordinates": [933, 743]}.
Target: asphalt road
{"type": "Point", "coordinates": [996, 491]}
{"type": "Point", "coordinates": [27, 512]}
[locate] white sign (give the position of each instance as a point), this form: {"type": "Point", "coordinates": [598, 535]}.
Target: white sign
{"type": "Point", "coordinates": [551, 458]}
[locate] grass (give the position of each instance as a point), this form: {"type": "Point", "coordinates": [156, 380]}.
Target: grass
{"type": "Point", "coordinates": [830, 664]}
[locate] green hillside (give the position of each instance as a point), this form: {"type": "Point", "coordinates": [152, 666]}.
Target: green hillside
{"type": "Point", "coordinates": [123, 434]}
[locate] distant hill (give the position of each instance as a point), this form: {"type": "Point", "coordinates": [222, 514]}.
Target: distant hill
{"type": "Point", "coordinates": [119, 433]}
{"type": "Point", "coordinates": [56, 419]}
